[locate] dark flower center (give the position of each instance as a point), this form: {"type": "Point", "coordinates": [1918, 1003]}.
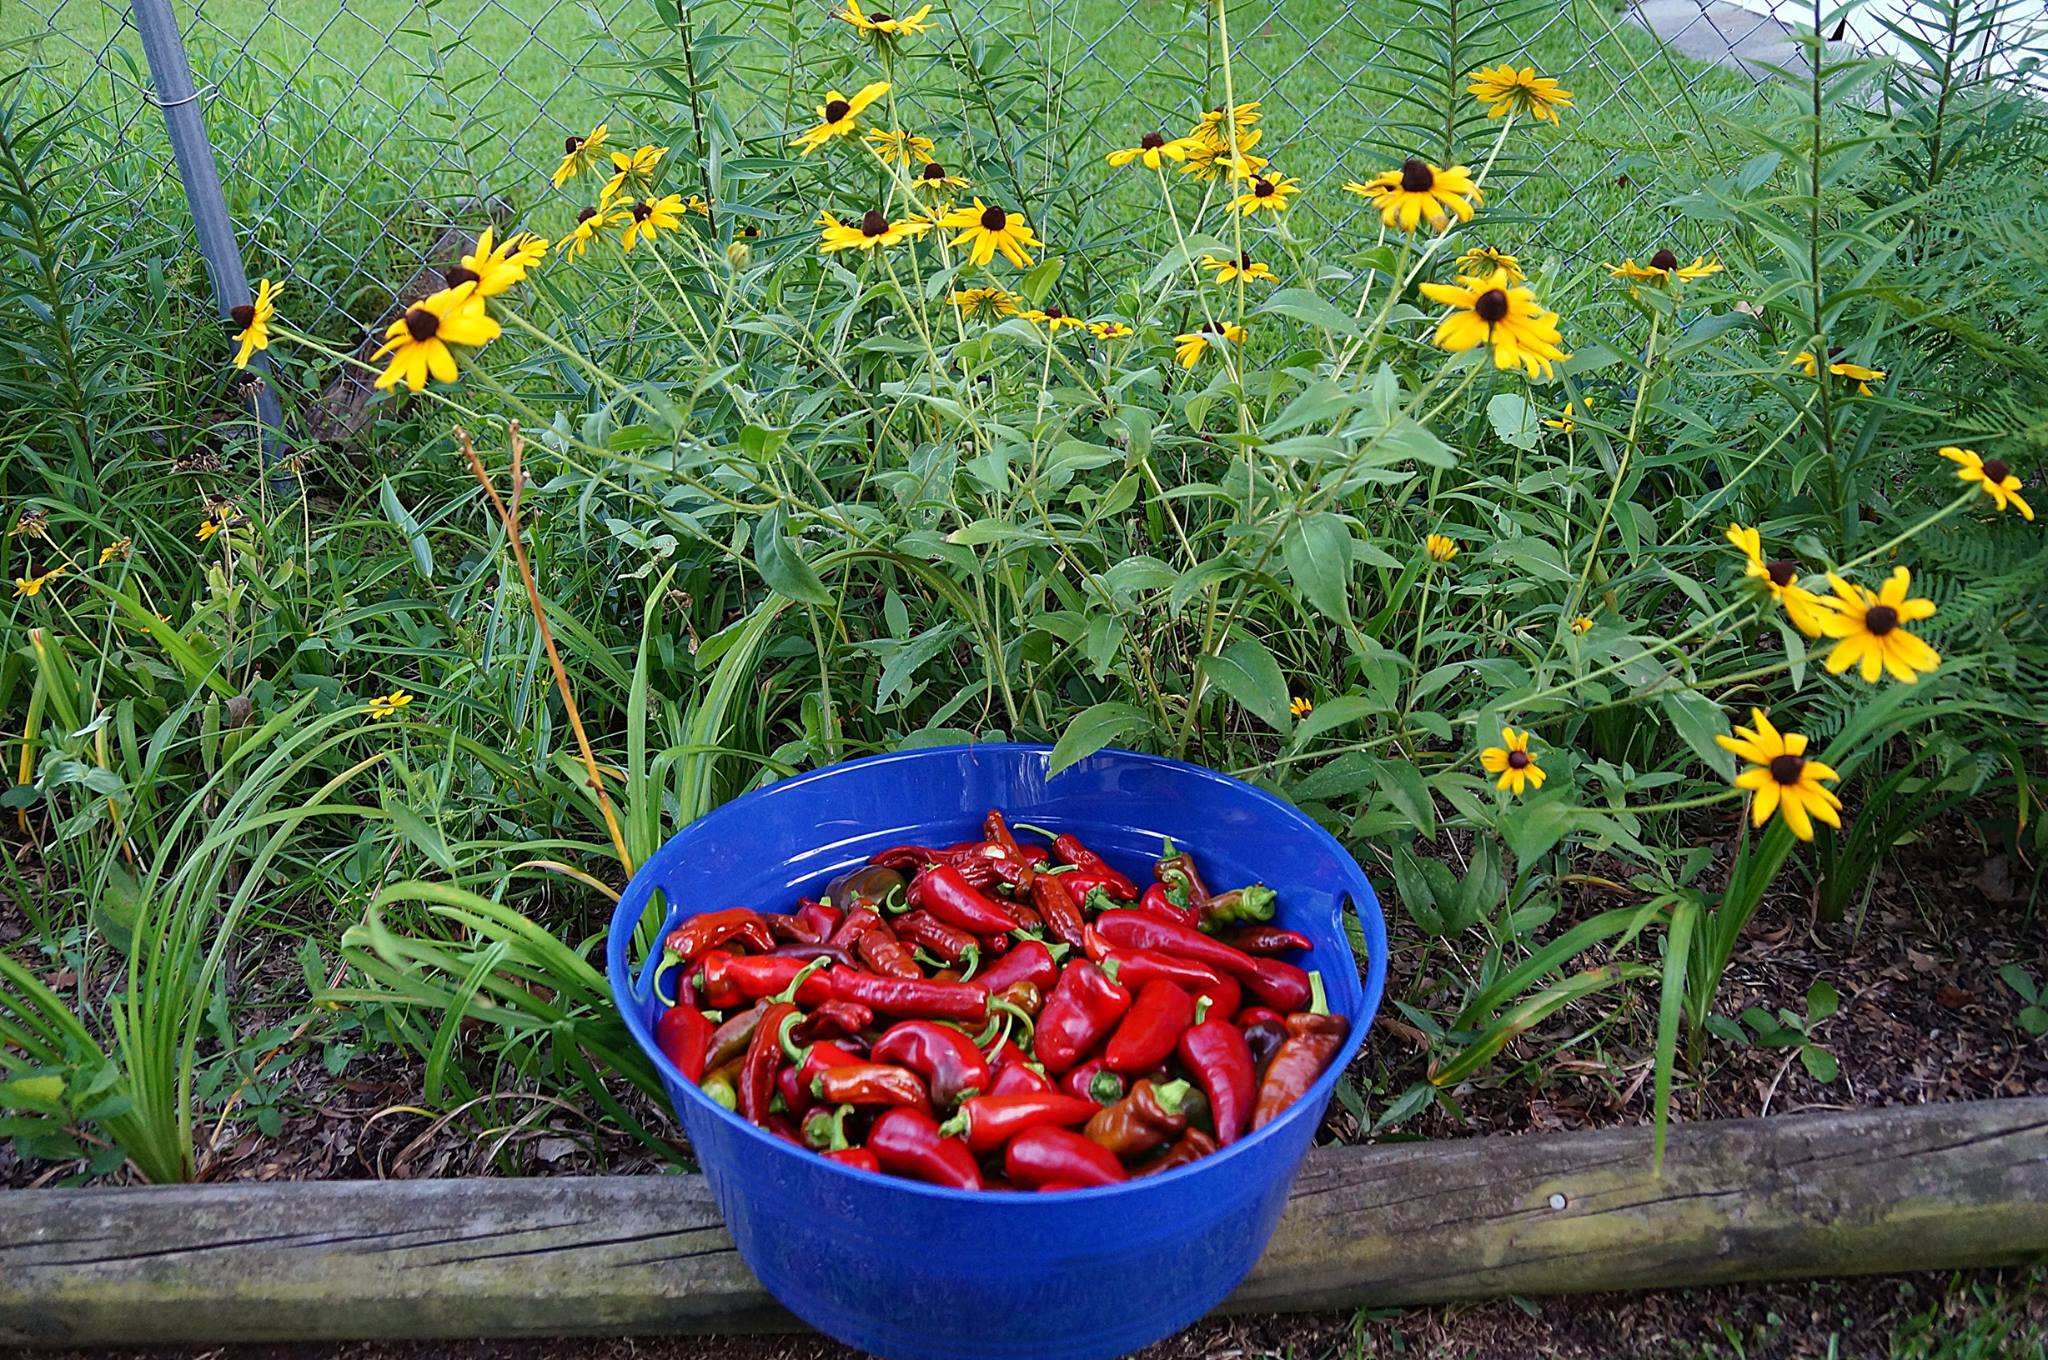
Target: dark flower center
{"type": "Point", "coordinates": [421, 324]}
{"type": "Point", "coordinates": [642, 211]}
{"type": "Point", "coordinates": [1785, 769]}
{"type": "Point", "coordinates": [1783, 572]}
{"type": "Point", "coordinates": [880, 16]}
{"type": "Point", "coordinates": [586, 214]}
{"type": "Point", "coordinates": [1152, 141]}
{"type": "Point", "coordinates": [1880, 619]}
{"type": "Point", "coordinates": [1244, 261]}
{"type": "Point", "coordinates": [1995, 470]}
{"type": "Point", "coordinates": [1053, 314]}
{"type": "Point", "coordinates": [1663, 259]}
{"type": "Point", "coordinates": [1492, 306]}
{"type": "Point", "coordinates": [1262, 188]}
{"type": "Point", "coordinates": [572, 145]}
{"type": "Point", "coordinates": [994, 219]}
{"type": "Point", "coordinates": [872, 223]}
{"type": "Point", "coordinates": [242, 314]}
{"type": "Point", "coordinates": [837, 109]}
{"type": "Point", "coordinates": [933, 170]}
{"type": "Point", "coordinates": [1416, 177]}
{"type": "Point", "coordinates": [457, 275]}
{"type": "Point", "coordinates": [750, 231]}
{"type": "Point", "coordinates": [1518, 760]}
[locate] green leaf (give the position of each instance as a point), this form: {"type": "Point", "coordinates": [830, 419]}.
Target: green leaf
{"type": "Point", "coordinates": [1313, 308]}
{"type": "Point", "coordinates": [1317, 551]}
{"type": "Point", "coordinates": [1094, 728]}
{"type": "Point", "coordinates": [1514, 420]}
{"type": "Point", "coordinates": [1247, 672]}
{"type": "Point", "coordinates": [785, 571]}
{"type": "Point", "coordinates": [1818, 1062]}
{"type": "Point", "coordinates": [1535, 826]}
{"type": "Point", "coordinates": [395, 511]}
{"type": "Point", "coordinates": [1699, 720]}
{"type": "Point", "coordinates": [1822, 1001]}
{"type": "Point", "coordinates": [1670, 1002]}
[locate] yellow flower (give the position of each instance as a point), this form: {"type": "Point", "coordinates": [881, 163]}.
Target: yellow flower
{"type": "Point", "coordinates": [989, 230]}
{"type": "Point", "coordinates": [1054, 320]}
{"type": "Point", "coordinates": [496, 268]}
{"type": "Point", "coordinates": [28, 586]}
{"type": "Point", "coordinates": [419, 341]}
{"type": "Point", "coordinates": [1808, 611]}
{"type": "Point", "coordinates": [254, 320]}
{"type": "Point", "coordinates": [879, 23]}
{"type": "Point", "coordinates": [991, 302]}
{"type": "Point", "coordinates": [1188, 349]}
{"type": "Point", "coordinates": [1782, 778]}
{"type": "Point", "coordinates": [1841, 368]}
{"type": "Point", "coordinates": [1513, 763]}
{"type": "Point", "coordinates": [1419, 190]}
{"type": "Point", "coordinates": [590, 224]}
{"type": "Point", "coordinates": [741, 245]}
{"type": "Point", "coordinates": [934, 180]}
{"type": "Point", "coordinates": [1568, 419]}
{"type": "Point", "coordinates": [1483, 260]}
{"type": "Point", "coordinates": [1154, 149]}
{"type": "Point", "coordinates": [1582, 626]}
{"type": "Point", "coordinates": [1440, 548]}
{"type": "Point", "coordinates": [633, 170]}
{"type": "Point", "coordinates": [384, 705]}
{"type": "Point", "coordinates": [1663, 268]}
{"type": "Point", "coordinates": [1300, 707]}
{"type": "Point", "coordinates": [1268, 194]}
{"type": "Point", "coordinates": [1506, 316]}
{"type": "Point", "coordinates": [1209, 127]}
{"type": "Point", "coordinates": [899, 147]}
{"type": "Point", "coordinates": [1243, 267]}
{"type": "Point", "coordinates": [1994, 475]}
{"type": "Point", "coordinates": [118, 548]}
{"type": "Point", "coordinates": [1206, 160]}
{"type": "Point", "coordinates": [699, 205]}
{"type": "Point", "coordinates": [580, 154]}
{"type": "Point", "coordinates": [872, 230]}
{"type": "Point", "coordinates": [1110, 330]}
{"type": "Point", "coordinates": [1872, 629]}
{"type": "Point", "coordinates": [838, 116]}
{"type": "Point", "coordinates": [1503, 89]}
{"type": "Point", "coordinates": [650, 216]}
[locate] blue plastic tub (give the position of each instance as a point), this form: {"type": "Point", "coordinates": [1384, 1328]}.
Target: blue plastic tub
{"type": "Point", "coordinates": [914, 1272]}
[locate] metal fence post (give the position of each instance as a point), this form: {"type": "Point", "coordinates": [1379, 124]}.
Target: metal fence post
{"type": "Point", "coordinates": [171, 72]}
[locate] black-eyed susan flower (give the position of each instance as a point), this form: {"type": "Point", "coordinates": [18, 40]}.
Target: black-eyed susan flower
{"type": "Point", "coordinates": [1209, 126]}
{"type": "Point", "coordinates": [1664, 267]}
{"type": "Point", "coordinates": [699, 205]}
{"type": "Point", "coordinates": [27, 587]}
{"type": "Point", "coordinates": [651, 216]}
{"type": "Point", "coordinates": [1504, 89]}
{"type": "Point", "coordinates": [1189, 348]}
{"type": "Point", "coordinates": [1300, 706]}
{"type": "Point", "coordinates": [31, 523]}
{"type": "Point", "coordinates": [419, 343]}
{"type": "Point", "coordinates": [1860, 374]}
{"type": "Point", "coordinates": [1513, 763]}
{"type": "Point", "coordinates": [741, 245]}
{"type": "Point", "coordinates": [632, 170]}
{"type": "Point", "coordinates": [935, 182]}
{"type": "Point", "coordinates": [1781, 778]}
{"type": "Point", "coordinates": [1243, 267]}
{"type": "Point", "coordinates": [882, 24]}
{"type": "Point", "coordinates": [1440, 547]}
{"type": "Point", "coordinates": [384, 705]}
{"type": "Point", "coordinates": [1110, 330]}
{"type": "Point", "coordinates": [1492, 311]}
{"type": "Point", "coordinates": [988, 230]}
{"type": "Point", "coordinates": [1212, 160]}
{"type": "Point", "coordinates": [1994, 475]}
{"type": "Point", "coordinates": [1054, 320]}
{"type": "Point", "coordinates": [871, 230]}
{"type": "Point", "coordinates": [1484, 260]}
{"type": "Point", "coordinates": [987, 302]}
{"type": "Point", "coordinates": [839, 116]}
{"type": "Point", "coordinates": [899, 148]}
{"type": "Point", "coordinates": [590, 224]}
{"type": "Point", "coordinates": [495, 267]}
{"type": "Point", "coordinates": [581, 153]}
{"type": "Point", "coordinates": [1780, 577]}
{"type": "Point", "coordinates": [118, 548]}
{"type": "Point", "coordinates": [1153, 150]}
{"type": "Point", "coordinates": [1568, 419]}
{"type": "Point", "coordinates": [1266, 193]}
{"type": "Point", "coordinates": [1419, 192]}
{"type": "Point", "coordinates": [1871, 630]}
{"type": "Point", "coordinates": [253, 320]}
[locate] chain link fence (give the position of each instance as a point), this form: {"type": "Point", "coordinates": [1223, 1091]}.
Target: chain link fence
{"type": "Point", "coordinates": [352, 136]}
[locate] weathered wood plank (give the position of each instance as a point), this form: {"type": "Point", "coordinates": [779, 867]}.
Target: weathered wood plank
{"type": "Point", "coordinates": [1882, 1190]}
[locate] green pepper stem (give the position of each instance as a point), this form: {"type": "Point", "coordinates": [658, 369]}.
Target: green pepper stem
{"type": "Point", "coordinates": [1202, 1007]}
{"type": "Point", "coordinates": [1171, 1094]}
{"type": "Point", "coordinates": [970, 961]}
{"type": "Point", "coordinates": [785, 1036]}
{"type": "Point", "coordinates": [788, 994]}
{"type": "Point", "coordinates": [1318, 999]}
{"type": "Point", "coordinates": [1036, 830]}
{"type": "Point", "coordinates": [1016, 1014]}
{"type": "Point", "coordinates": [956, 1127]}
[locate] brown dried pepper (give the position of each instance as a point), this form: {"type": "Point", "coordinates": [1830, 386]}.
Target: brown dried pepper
{"type": "Point", "coordinates": [1143, 1120]}
{"type": "Point", "coordinates": [1192, 1147]}
{"type": "Point", "coordinates": [1312, 1041]}
{"type": "Point", "coordinates": [1063, 915]}
{"type": "Point", "coordinates": [883, 953]}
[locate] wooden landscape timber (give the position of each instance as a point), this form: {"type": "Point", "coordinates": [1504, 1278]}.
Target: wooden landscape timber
{"type": "Point", "coordinates": [1870, 1191]}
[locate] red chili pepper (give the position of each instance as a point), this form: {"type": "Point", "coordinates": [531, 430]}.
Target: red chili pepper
{"type": "Point", "coordinates": [693, 937]}
{"type": "Point", "coordinates": [756, 1084]}
{"type": "Point", "coordinates": [1084, 1007]}
{"type": "Point", "coordinates": [818, 950]}
{"type": "Point", "coordinates": [996, 829]}
{"type": "Point", "coordinates": [951, 1065]}
{"type": "Point", "coordinates": [951, 898]}
{"type": "Point", "coordinates": [1060, 909]}
{"type": "Point", "coordinates": [731, 1039]}
{"type": "Point", "coordinates": [1029, 961]}
{"type": "Point", "coordinates": [1278, 984]}
{"type": "Point", "coordinates": [1022, 996]}
{"type": "Point", "coordinates": [819, 918]}
{"type": "Point", "coordinates": [991, 1121]}
{"type": "Point", "coordinates": [796, 1097]}
{"type": "Point", "coordinates": [748, 977]}
{"type": "Point", "coordinates": [1267, 940]}
{"type": "Point", "coordinates": [1070, 849]}
{"type": "Point", "coordinates": [1079, 883]}
{"type": "Point", "coordinates": [1155, 902]}
{"type": "Point", "coordinates": [949, 943]}
{"type": "Point", "coordinates": [1136, 967]}
{"type": "Point", "coordinates": [860, 1159]}
{"type": "Point", "coordinates": [783, 1127]}
{"type": "Point", "coordinates": [869, 1083]}
{"type": "Point", "coordinates": [1046, 1156]}
{"type": "Point", "coordinates": [842, 1019]}
{"type": "Point", "coordinates": [1312, 1041]}
{"type": "Point", "coordinates": [1192, 1147]}
{"type": "Point", "coordinates": [1216, 1052]}
{"type": "Point", "coordinates": [794, 929]}
{"type": "Point", "coordinates": [684, 1037]}
{"type": "Point", "coordinates": [1263, 1035]}
{"type": "Point", "coordinates": [1160, 1013]}
{"type": "Point", "coordinates": [1184, 886]}
{"type": "Point", "coordinates": [821, 1057]}
{"type": "Point", "coordinates": [1093, 1081]}
{"type": "Point", "coordinates": [853, 925]}
{"type": "Point", "coordinates": [905, 998]}
{"type": "Point", "coordinates": [883, 953]}
{"type": "Point", "coordinates": [1019, 1079]}
{"type": "Point", "coordinates": [907, 1143]}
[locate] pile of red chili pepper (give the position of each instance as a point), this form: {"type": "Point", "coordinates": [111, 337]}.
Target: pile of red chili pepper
{"type": "Point", "coordinates": [1001, 1015]}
